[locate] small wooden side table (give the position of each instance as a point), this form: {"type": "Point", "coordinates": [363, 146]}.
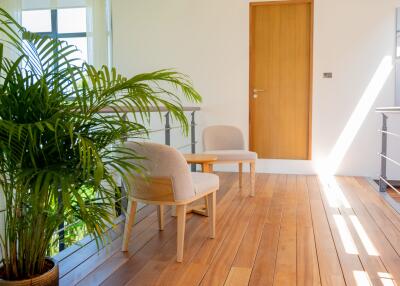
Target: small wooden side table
{"type": "Point", "coordinates": [206, 162]}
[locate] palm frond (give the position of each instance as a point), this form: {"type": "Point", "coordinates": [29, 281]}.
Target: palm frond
{"type": "Point", "coordinates": [58, 151]}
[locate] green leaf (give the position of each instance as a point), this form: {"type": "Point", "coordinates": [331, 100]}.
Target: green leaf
{"type": "Point", "coordinates": [58, 150]}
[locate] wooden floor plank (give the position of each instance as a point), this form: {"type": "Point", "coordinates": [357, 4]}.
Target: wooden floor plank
{"type": "Point", "coordinates": [395, 195]}
{"type": "Point", "coordinates": [238, 276]}
{"type": "Point", "coordinates": [344, 241]}
{"type": "Point", "coordinates": [387, 253]}
{"type": "Point", "coordinates": [328, 260]}
{"type": "Point", "coordinates": [219, 269]}
{"type": "Point", "coordinates": [203, 256]}
{"type": "Point", "coordinates": [104, 255]}
{"type": "Point", "coordinates": [296, 231]}
{"type": "Point", "coordinates": [107, 268]}
{"type": "Point", "coordinates": [307, 261]}
{"type": "Point", "coordinates": [369, 258]}
{"type": "Point", "coordinates": [381, 213]}
{"type": "Point", "coordinates": [196, 233]}
{"type": "Point", "coordinates": [265, 263]}
{"type": "Point", "coordinates": [369, 192]}
{"type": "Point", "coordinates": [221, 262]}
{"type": "Point", "coordinates": [264, 267]}
{"type": "Point", "coordinates": [372, 264]}
{"type": "Point", "coordinates": [141, 235]}
{"type": "Point", "coordinates": [286, 260]}
{"type": "Point", "coordinates": [247, 252]}
{"type": "Point", "coordinates": [162, 259]}
{"type": "Point", "coordinates": [138, 261]}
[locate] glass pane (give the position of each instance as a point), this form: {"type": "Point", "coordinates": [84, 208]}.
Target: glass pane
{"type": "Point", "coordinates": [37, 20]}
{"type": "Point", "coordinates": [398, 32]}
{"type": "Point", "coordinates": [398, 19]}
{"type": "Point", "coordinates": [398, 46]}
{"type": "Point", "coordinates": [82, 45]}
{"type": "Point", "coordinates": [72, 20]}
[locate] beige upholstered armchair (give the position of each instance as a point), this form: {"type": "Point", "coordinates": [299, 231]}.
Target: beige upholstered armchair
{"type": "Point", "coordinates": [168, 181]}
{"type": "Point", "coordinates": [227, 143]}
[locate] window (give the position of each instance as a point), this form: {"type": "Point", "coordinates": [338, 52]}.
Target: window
{"type": "Point", "coordinates": [65, 24]}
{"type": "Point", "coordinates": [398, 33]}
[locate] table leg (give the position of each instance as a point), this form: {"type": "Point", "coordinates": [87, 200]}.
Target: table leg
{"type": "Point", "coordinates": [203, 209]}
{"type": "Point", "coordinates": [206, 168]}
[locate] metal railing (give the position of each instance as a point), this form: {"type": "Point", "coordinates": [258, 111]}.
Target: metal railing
{"type": "Point", "coordinates": [384, 182]}
{"type": "Point", "coordinates": [121, 201]}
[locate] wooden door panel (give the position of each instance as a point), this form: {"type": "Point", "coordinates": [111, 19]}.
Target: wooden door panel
{"type": "Point", "coordinates": [280, 64]}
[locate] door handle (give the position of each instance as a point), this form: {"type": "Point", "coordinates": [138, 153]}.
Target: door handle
{"type": "Point", "coordinates": [256, 91]}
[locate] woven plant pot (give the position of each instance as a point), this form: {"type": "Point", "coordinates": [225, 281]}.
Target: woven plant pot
{"type": "Point", "coordinates": [50, 278]}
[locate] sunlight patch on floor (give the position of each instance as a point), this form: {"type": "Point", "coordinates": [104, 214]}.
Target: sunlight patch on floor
{"type": "Point", "coordinates": [345, 235]}
{"type": "Point", "coordinates": [362, 278]}
{"type": "Point", "coordinates": [333, 192]}
{"type": "Point", "coordinates": [386, 279]}
{"type": "Point", "coordinates": [366, 241]}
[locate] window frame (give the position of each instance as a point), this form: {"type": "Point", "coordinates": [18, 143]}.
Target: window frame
{"type": "Point", "coordinates": [397, 58]}
{"type": "Point", "coordinates": [54, 27]}
{"type": "Point", "coordinates": [63, 36]}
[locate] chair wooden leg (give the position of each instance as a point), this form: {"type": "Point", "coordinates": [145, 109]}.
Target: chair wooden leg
{"type": "Point", "coordinates": [240, 175]}
{"type": "Point", "coordinates": [212, 204]}
{"type": "Point", "coordinates": [160, 213]}
{"type": "Point", "coordinates": [252, 178]}
{"type": "Point", "coordinates": [130, 219]}
{"type": "Point", "coordinates": [206, 210]}
{"type": "Point", "coordinates": [206, 168]}
{"type": "Point", "coordinates": [181, 223]}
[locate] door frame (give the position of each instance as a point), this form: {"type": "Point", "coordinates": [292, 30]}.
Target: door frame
{"type": "Point", "coordinates": [251, 55]}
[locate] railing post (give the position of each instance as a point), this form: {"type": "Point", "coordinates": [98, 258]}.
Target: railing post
{"type": "Point", "coordinates": [121, 193]}
{"type": "Point", "coordinates": [125, 136]}
{"type": "Point", "coordinates": [167, 129]}
{"type": "Point", "coordinates": [193, 136]}
{"type": "Point", "coordinates": [382, 183]}
{"type": "Point", "coordinates": [61, 233]}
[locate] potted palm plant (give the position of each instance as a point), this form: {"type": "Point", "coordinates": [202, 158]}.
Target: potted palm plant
{"type": "Point", "coordinates": [55, 157]}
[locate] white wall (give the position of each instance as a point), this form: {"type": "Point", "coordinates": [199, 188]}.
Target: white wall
{"type": "Point", "coordinates": [208, 40]}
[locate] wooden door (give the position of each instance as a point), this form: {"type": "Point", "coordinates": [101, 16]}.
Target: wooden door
{"type": "Point", "coordinates": [280, 79]}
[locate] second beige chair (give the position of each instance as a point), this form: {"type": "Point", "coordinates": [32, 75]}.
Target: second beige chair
{"type": "Point", "coordinates": [168, 182]}
{"type": "Point", "coordinates": [227, 143]}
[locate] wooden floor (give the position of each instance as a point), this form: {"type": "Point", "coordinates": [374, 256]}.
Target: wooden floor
{"type": "Point", "coordinates": [394, 195]}
{"type": "Point", "coordinates": [298, 230]}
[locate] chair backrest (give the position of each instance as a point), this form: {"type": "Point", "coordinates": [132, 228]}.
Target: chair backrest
{"type": "Point", "coordinates": [167, 174]}
{"type": "Point", "coordinates": [222, 137]}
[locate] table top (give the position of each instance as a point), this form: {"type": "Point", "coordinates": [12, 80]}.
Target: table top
{"type": "Point", "coordinates": [200, 158]}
